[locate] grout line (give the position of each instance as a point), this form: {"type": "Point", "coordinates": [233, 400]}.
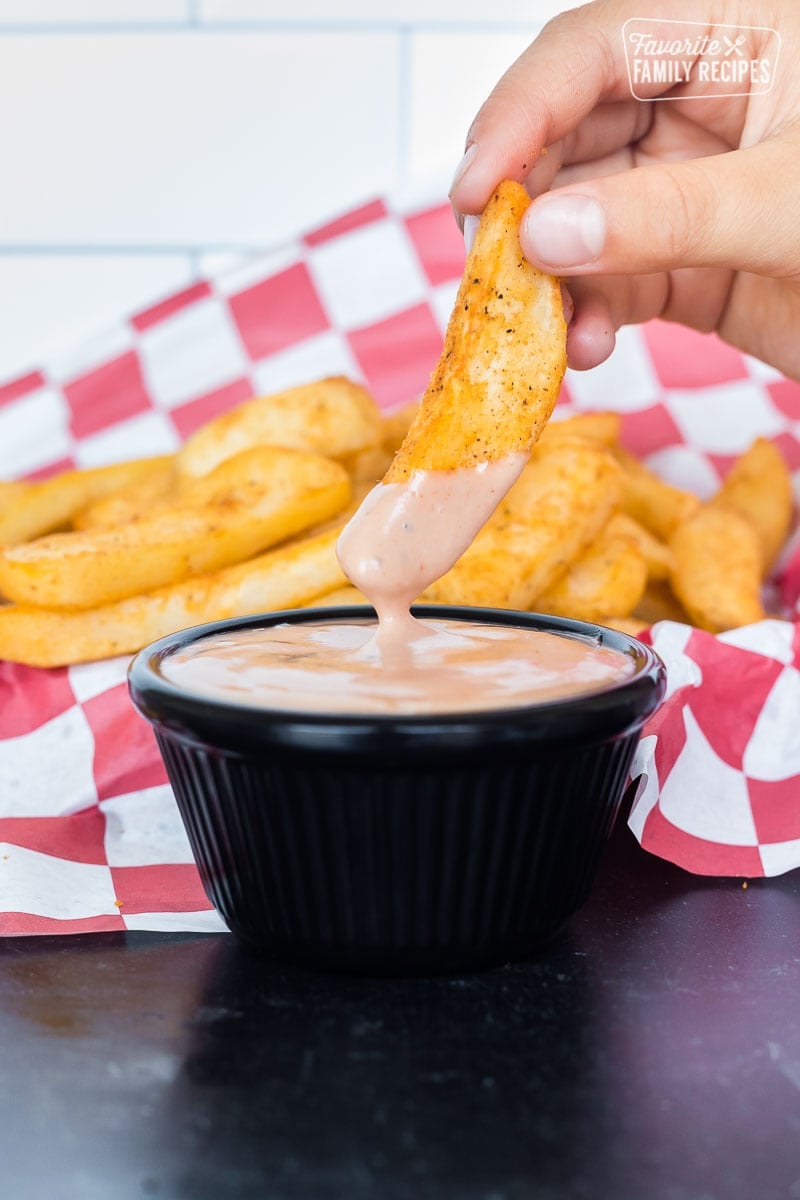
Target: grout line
{"type": "Point", "coordinates": [59, 250]}
{"type": "Point", "coordinates": [194, 23]}
{"type": "Point", "coordinates": [405, 51]}
{"type": "Point", "coordinates": [87, 29]}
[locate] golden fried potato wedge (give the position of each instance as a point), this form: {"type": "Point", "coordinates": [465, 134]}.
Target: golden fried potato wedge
{"type": "Point", "coordinates": [571, 464]}
{"type": "Point", "coordinates": [657, 505]}
{"type": "Point", "coordinates": [504, 355]}
{"type": "Point", "coordinates": [367, 467]}
{"type": "Point", "coordinates": [759, 487]}
{"type": "Point", "coordinates": [657, 554]}
{"type": "Point", "coordinates": [609, 576]}
{"type": "Point", "coordinates": [339, 596]}
{"type": "Point", "coordinates": [659, 603]}
{"type": "Point", "coordinates": [717, 571]}
{"type": "Point", "coordinates": [269, 494]}
{"type": "Point", "coordinates": [495, 571]}
{"type": "Point", "coordinates": [561, 501]}
{"type": "Point", "coordinates": [597, 426]}
{"type": "Point", "coordinates": [11, 491]}
{"type": "Point", "coordinates": [51, 504]}
{"type": "Point", "coordinates": [287, 577]}
{"type": "Point", "coordinates": [132, 500]}
{"type": "Point", "coordinates": [333, 416]}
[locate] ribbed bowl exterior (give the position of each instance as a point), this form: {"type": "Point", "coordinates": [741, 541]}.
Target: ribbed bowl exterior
{"type": "Point", "coordinates": [399, 844]}
{"type": "Point", "coordinates": [398, 871]}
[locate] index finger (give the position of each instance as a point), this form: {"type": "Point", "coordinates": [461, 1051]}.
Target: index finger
{"type": "Point", "coordinates": [575, 64]}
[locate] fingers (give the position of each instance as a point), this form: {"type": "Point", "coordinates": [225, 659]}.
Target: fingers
{"type": "Point", "coordinates": [577, 61]}
{"type": "Point", "coordinates": [602, 305]}
{"type": "Point", "coordinates": [606, 135]}
{"type": "Point", "coordinates": [591, 333]}
{"type": "Point", "coordinates": [713, 211]}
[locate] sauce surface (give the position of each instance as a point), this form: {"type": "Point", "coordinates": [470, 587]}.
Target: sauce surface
{"type": "Point", "coordinates": [445, 667]}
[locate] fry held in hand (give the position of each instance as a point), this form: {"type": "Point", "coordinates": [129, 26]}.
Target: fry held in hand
{"type": "Point", "coordinates": [267, 495]}
{"type": "Point", "coordinates": [489, 397]}
{"type": "Point", "coordinates": [504, 355]}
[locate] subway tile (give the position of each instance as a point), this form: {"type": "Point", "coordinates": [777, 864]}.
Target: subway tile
{"type": "Point", "coordinates": [191, 139]}
{"type": "Point", "coordinates": [50, 305]}
{"type": "Point", "coordinates": [529, 13]}
{"type": "Point", "coordinates": [102, 12]}
{"type": "Point", "coordinates": [451, 75]}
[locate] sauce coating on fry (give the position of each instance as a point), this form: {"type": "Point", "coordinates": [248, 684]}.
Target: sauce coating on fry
{"type": "Point", "coordinates": [406, 535]}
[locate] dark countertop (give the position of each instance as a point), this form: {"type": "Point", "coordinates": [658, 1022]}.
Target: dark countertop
{"type": "Point", "coordinates": [652, 1051]}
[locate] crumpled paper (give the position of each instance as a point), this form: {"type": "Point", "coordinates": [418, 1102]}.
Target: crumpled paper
{"type": "Point", "coordinates": [89, 833]}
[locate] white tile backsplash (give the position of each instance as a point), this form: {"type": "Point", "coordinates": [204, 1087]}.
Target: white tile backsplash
{"type": "Point", "coordinates": [168, 139]}
{"type": "Point", "coordinates": [105, 12]}
{"type": "Point", "coordinates": [451, 76]}
{"type": "Point", "coordinates": [144, 141]}
{"type": "Point", "coordinates": [529, 13]}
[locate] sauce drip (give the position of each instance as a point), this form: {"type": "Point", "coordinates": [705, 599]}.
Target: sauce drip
{"type": "Point", "coordinates": [406, 535]}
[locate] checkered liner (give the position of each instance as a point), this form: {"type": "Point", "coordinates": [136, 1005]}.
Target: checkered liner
{"type": "Point", "coordinates": [89, 834]}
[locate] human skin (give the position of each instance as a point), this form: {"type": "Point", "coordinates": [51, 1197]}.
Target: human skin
{"type": "Point", "coordinates": [680, 208]}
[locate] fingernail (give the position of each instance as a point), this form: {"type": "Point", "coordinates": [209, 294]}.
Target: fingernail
{"type": "Point", "coordinates": [471, 224]}
{"type": "Point", "coordinates": [564, 231]}
{"type": "Point", "coordinates": [464, 165]}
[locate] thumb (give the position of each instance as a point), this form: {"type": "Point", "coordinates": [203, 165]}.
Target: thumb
{"type": "Point", "coordinates": [730, 210]}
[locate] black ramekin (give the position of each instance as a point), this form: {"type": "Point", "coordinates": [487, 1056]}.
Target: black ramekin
{"type": "Point", "coordinates": [399, 844]}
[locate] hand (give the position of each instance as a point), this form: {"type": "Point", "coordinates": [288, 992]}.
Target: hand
{"type": "Point", "coordinates": [685, 209]}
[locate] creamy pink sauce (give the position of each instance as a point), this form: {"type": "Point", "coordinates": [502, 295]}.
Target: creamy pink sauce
{"type": "Point", "coordinates": [406, 535]}
{"type": "Point", "coordinates": [451, 667]}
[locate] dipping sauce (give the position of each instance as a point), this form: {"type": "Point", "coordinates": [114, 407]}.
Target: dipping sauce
{"type": "Point", "coordinates": [406, 535]}
{"type": "Point", "coordinates": [446, 667]}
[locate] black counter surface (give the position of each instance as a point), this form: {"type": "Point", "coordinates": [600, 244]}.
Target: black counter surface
{"type": "Point", "coordinates": [652, 1051]}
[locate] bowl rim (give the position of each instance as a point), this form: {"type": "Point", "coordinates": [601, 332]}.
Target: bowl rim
{"type": "Point", "coordinates": [610, 710]}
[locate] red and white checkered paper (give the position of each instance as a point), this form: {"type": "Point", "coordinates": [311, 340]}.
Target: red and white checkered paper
{"type": "Point", "coordinates": [90, 838]}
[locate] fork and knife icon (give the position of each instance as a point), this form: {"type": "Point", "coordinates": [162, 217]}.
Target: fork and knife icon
{"type": "Point", "coordinates": [734, 45]}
